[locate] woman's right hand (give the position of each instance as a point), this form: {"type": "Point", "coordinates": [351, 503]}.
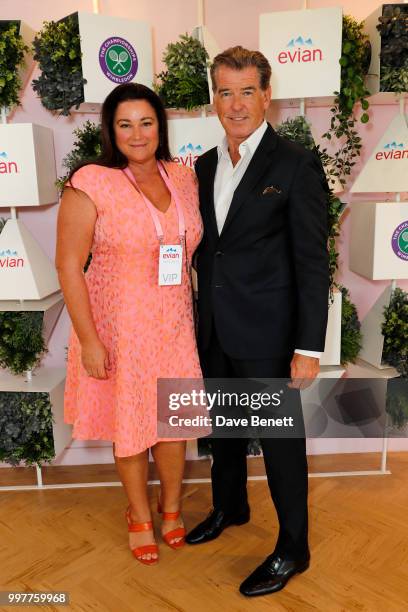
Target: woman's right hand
{"type": "Point", "coordinates": [95, 359]}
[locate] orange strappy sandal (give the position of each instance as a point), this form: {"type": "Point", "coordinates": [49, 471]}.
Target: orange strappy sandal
{"type": "Point", "coordinates": [179, 532]}
{"type": "Point", "coordinates": [138, 551]}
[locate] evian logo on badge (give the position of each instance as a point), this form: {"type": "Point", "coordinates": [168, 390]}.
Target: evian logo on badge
{"type": "Point", "coordinates": [188, 154]}
{"type": "Point", "coordinates": [10, 259]}
{"type": "Point", "coordinates": [171, 253]}
{"type": "Point", "coordinates": [6, 166]}
{"type": "Point", "coordinates": [392, 150]}
{"type": "Point", "coordinates": [399, 241]}
{"type": "Point", "coordinates": [300, 50]}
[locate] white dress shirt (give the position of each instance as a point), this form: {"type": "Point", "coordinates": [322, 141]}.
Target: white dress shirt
{"type": "Point", "coordinates": [227, 179]}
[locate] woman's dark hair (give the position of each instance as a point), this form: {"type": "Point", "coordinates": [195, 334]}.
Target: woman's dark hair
{"type": "Point", "coordinates": [110, 156]}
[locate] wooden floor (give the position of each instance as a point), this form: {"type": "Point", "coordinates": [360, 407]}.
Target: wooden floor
{"type": "Point", "coordinates": [75, 540]}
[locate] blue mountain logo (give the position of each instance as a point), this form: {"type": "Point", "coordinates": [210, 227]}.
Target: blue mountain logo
{"type": "Point", "coordinates": [300, 42]}
{"type": "Point", "coordinates": [394, 145]}
{"type": "Point", "coordinates": [190, 148]}
{"type": "Point", "coordinates": [3, 154]}
{"type": "Point", "coordinates": [8, 253]}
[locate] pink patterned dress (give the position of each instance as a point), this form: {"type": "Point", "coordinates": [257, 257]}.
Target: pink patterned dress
{"type": "Point", "coordinates": [148, 330]}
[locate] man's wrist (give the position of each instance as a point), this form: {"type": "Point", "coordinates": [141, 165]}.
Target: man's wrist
{"type": "Point", "coordinates": [315, 354]}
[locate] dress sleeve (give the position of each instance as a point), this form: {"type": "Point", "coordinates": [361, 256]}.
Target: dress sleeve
{"type": "Point", "coordinates": [87, 179]}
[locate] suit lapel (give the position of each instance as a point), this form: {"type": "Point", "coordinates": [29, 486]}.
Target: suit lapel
{"type": "Point", "coordinates": [208, 170]}
{"type": "Point", "coordinates": [257, 166]}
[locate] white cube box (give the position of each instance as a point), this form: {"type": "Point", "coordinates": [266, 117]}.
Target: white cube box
{"type": "Point", "coordinates": [379, 240]}
{"type": "Point", "coordinates": [190, 138]}
{"type": "Point", "coordinates": [114, 51]}
{"type": "Point", "coordinates": [304, 49]}
{"type": "Point", "coordinates": [27, 165]}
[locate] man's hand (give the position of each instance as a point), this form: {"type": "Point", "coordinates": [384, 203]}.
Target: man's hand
{"type": "Point", "coordinates": [303, 371]}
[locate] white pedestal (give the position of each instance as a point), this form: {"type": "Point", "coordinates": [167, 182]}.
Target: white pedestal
{"type": "Point", "coordinates": [26, 273]}
{"type": "Point", "coordinates": [45, 380]}
{"type": "Point", "coordinates": [332, 347]}
{"type": "Point", "coordinates": [387, 167]}
{"type": "Point", "coordinates": [379, 240]}
{"type": "Point", "coordinates": [27, 165]}
{"type": "Point", "coordinates": [373, 340]}
{"type": "Point", "coordinates": [303, 48]}
{"type": "Point", "coordinates": [51, 306]}
{"type": "Point", "coordinates": [205, 37]}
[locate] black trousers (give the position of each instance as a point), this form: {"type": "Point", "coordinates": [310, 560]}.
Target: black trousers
{"type": "Point", "coordinates": [285, 458]}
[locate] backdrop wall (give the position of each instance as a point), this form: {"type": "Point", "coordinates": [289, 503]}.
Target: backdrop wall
{"type": "Point", "coordinates": [231, 22]}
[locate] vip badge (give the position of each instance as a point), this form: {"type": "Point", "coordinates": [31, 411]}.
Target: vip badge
{"type": "Point", "coordinates": [118, 60]}
{"type": "Point", "coordinates": [399, 241]}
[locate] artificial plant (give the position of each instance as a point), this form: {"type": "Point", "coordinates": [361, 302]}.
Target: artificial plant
{"type": "Point", "coordinates": [86, 147]}
{"type": "Point", "coordinates": [21, 340]}
{"type": "Point", "coordinates": [12, 50]}
{"type": "Point", "coordinates": [351, 336]}
{"type": "Point", "coordinates": [354, 62]}
{"type": "Point", "coordinates": [184, 82]}
{"type": "Point", "coordinates": [298, 130]}
{"type": "Point", "coordinates": [26, 428]}
{"type": "Point", "coordinates": [57, 49]}
{"type": "Point", "coordinates": [393, 28]}
{"type": "Point", "coordinates": [395, 331]}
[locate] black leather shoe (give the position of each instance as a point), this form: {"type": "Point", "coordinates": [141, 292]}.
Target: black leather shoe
{"type": "Point", "coordinates": [272, 575]}
{"type": "Point", "coordinates": [214, 525]}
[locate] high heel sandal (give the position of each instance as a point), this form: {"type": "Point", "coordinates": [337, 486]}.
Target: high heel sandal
{"type": "Point", "coordinates": [145, 549]}
{"type": "Point", "coordinates": [179, 532]}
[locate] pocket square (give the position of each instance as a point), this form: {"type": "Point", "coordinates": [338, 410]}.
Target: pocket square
{"type": "Point", "coordinates": [271, 189]}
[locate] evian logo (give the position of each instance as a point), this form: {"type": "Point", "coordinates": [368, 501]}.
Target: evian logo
{"type": "Point", "coordinates": [188, 154]}
{"type": "Point", "coordinates": [6, 166]}
{"type": "Point", "coordinates": [300, 51]}
{"type": "Point", "coordinates": [170, 253]}
{"type": "Point", "coordinates": [10, 259]}
{"type": "Point", "coordinates": [392, 150]}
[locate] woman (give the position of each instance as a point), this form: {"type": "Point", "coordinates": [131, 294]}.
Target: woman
{"type": "Point", "coordinates": [127, 329]}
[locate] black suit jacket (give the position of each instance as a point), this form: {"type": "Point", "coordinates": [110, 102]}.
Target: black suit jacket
{"type": "Point", "coordinates": [264, 281]}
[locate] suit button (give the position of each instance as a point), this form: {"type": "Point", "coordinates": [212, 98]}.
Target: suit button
{"type": "Point", "coordinates": [219, 253]}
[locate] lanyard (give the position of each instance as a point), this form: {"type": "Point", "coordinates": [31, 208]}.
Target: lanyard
{"type": "Point", "coordinates": [153, 210]}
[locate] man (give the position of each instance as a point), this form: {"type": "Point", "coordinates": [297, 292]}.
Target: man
{"type": "Point", "coordinates": [263, 296]}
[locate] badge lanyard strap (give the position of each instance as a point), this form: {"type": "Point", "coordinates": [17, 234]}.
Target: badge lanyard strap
{"type": "Point", "coordinates": [153, 211]}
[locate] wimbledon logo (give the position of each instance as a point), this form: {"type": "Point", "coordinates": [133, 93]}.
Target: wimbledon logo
{"type": "Point", "coordinates": [7, 167]}
{"type": "Point", "coordinates": [392, 150]}
{"type": "Point", "coordinates": [300, 50]}
{"type": "Point", "coordinates": [399, 241]}
{"type": "Point", "coordinates": [188, 155]}
{"type": "Point", "coordinates": [118, 60]}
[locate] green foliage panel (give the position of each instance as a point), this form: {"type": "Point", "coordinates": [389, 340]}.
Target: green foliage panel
{"type": "Point", "coordinates": [12, 49]}
{"type": "Point", "coordinates": [21, 340]}
{"type": "Point", "coordinates": [57, 49]}
{"type": "Point", "coordinates": [26, 428]}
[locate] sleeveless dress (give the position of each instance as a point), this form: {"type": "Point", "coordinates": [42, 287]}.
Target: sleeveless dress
{"type": "Point", "coordinates": [147, 329]}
